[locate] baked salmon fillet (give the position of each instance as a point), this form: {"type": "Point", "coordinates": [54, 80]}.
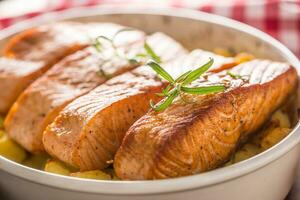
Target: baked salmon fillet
{"type": "Point", "coordinates": [88, 132]}
{"type": "Point", "coordinates": [74, 76]}
{"type": "Point", "coordinates": [10, 86]}
{"type": "Point", "coordinates": [44, 46]}
{"type": "Point", "coordinates": [189, 138]}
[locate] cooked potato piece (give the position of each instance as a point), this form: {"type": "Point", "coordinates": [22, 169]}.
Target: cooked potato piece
{"type": "Point", "coordinates": [11, 150]}
{"type": "Point", "coordinates": [95, 174]}
{"type": "Point", "coordinates": [36, 161]}
{"type": "Point", "coordinates": [111, 172]}
{"type": "Point", "coordinates": [273, 137]}
{"type": "Point", "coordinates": [223, 52]}
{"type": "Point", "coordinates": [282, 118]}
{"type": "Point", "coordinates": [57, 167]}
{"type": "Point", "coordinates": [243, 57]}
{"type": "Point", "coordinates": [259, 136]}
{"type": "Point", "coordinates": [1, 122]}
{"type": "Point", "coordinates": [278, 120]}
{"type": "Point", "coordinates": [247, 151]}
{"type": "Point", "coordinates": [239, 58]}
{"type": "Point", "coordinates": [1, 133]}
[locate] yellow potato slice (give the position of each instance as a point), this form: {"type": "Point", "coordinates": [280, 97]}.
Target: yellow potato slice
{"type": "Point", "coordinates": [273, 137]}
{"type": "Point", "coordinates": [243, 57]}
{"type": "Point", "coordinates": [223, 52]}
{"type": "Point", "coordinates": [11, 150]}
{"type": "Point", "coordinates": [36, 161]}
{"type": "Point", "coordinates": [282, 118]}
{"type": "Point", "coordinates": [58, 167]}
{"type": "Point", "coordinates": [111, 172]}
{"type": "Point", "coordinates": [95, 174]}
{"type": "Point", "coordinates": [247, 151]}
{"type": "Point", "coordinates": [1, 133]}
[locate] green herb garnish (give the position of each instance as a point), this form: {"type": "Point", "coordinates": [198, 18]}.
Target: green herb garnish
{"type": "Point", "coordinates": [237, 76]}
{"type": "Point", "coordinates": [149, 52]}
{"type": "Point", "coordinates": [177, 87]}
{"type": "Point", "coordinates": [234, 76]}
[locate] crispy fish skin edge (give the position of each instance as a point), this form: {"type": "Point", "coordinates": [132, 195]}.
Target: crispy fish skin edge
{"type": "Point", "coordinates": [151, 163]}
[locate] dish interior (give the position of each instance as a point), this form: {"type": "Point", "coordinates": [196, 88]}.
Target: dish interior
{"type": "Point", "coordinates": [197, 34]}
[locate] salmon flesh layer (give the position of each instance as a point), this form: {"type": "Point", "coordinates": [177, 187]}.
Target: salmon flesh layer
{"type": "Point", "coordinates": [34, 51]}
{"type": "Point", "coordinates": [15, 76]}
{"type": "Point", "coordinates": [189, 138]}
{"type": "Point", "coordinates": [74, 76]}
{"type": "Point", "coordinates": [88, 132]}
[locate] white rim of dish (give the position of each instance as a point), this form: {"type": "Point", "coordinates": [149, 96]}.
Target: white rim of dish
{"type": "Point", "coordinates": [154, 186]}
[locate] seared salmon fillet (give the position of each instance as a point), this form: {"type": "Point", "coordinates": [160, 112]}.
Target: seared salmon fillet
{"type": "Point", "coordinates": [190, 138]}
{"type": "Point", "coordinates": [10, 86]}
{"type": "Point", "coordinates": [74, 76]}
{"type": "Point", "coordinates": [45, 46]}
{"type": "Point", "coordinates": [88, 132]}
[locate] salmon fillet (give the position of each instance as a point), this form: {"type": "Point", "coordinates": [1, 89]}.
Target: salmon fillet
{"type": "Point", "coordinates": [11, 87]}
{"type": "Point", "coordinates": [190, 138]}
{"type": "Point", "coordinates": [45, 46]}
{"type": "Point", "coordinates": [74, 76]}
{"type": "Point", "coordinates": [88, 132]}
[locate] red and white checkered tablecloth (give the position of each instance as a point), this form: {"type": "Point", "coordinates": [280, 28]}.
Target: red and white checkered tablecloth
{"type": "Point", "coordinates": [279, 18]}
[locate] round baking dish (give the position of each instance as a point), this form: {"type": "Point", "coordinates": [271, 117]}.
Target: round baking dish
{"type": "Point", "coordinates": [267, 176]}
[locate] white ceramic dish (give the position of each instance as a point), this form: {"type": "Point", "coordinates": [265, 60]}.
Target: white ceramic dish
{"type": "Point", "coordinates": [267, 176]}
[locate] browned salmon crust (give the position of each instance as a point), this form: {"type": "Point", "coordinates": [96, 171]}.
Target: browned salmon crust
{"type": "Point", "coordinates": [190, 138]}
{"type": "Point", "coordinates": [88, 132]}
{"type": "Point", "coordinates": [74, 76]}
{"type": "Point", "coordinates": [39, 49]}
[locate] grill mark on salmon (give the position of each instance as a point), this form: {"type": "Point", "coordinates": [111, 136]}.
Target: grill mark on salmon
{"type": "Point", "coordinates": [34, 51]}
{"type": "Point", "coordinates": [186, 139]}
{"type": "Point", "coordinates": [97, 121]}
{"type": "Point", "coordinates": [74, 76]}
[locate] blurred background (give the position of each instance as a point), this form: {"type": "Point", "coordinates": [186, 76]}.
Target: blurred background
{"type": "Point", "coordinates": [279, 18]}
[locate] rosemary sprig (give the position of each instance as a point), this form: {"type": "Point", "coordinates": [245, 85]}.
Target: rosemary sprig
{"type": "Point", "coordinates": [234, 76]}
{"type": "Point", "coordinates": [149, 52]}
{"type": "Point", "coordinates": [177, 87]}
{"type": "Point", "coordinates": [238, 76]}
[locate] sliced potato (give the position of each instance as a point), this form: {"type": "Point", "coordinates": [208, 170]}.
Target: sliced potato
{"type": "Point", "coordinates": [95, 174]}
{"type": "Point", "coordinates": [273, 137]}
{"type": "Point", "coordinates": [111, 172]}
{"type": "Point", "coordinates": [11, 150]}
{"type": "Point", "coordinates": [243, 57]}
{"type": "Point", "coordinates": [57, 167]}
{"type": "Point", "coordinates": [282, 118]}
{"type": "Point", "coordinates": [247, 151]}
{"type": "Point", "coordinates": [260, 135]}
{"type": "Point", "coordinates": [223, 52]}
{"type": "Point", "coordinates": [36, 161]}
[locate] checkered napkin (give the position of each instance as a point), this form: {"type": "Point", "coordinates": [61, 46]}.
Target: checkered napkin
{"type": "Point", "coordinates": [279, 18]}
